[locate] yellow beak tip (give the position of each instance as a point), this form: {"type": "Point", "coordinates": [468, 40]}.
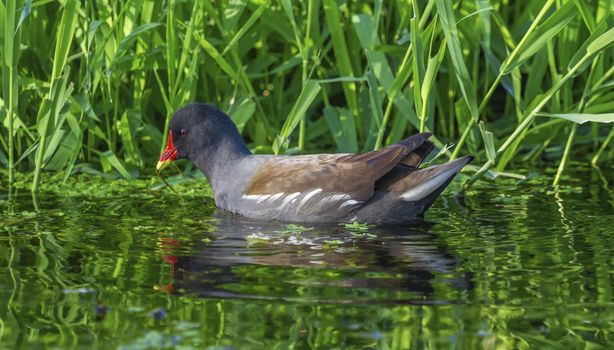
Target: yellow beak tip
{"type": "Point", "coordinates": [162, 164]}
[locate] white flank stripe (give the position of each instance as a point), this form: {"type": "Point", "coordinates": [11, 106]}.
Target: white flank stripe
{"type": "Point", "coordinates": [275, 197]}
{"type": "Point", "coordinates": [263, 198]}
{"type": "Point", "coordinates": [259, 198]}
{"type": "Point", "coordinates": [254, 197]}
{"type": "Point", "coordinates": [289, 198]}
{"type": "Point", "coordinates": [307, 197]}
{"type": "Point", "coordinates": [426, 188]}
{"type": "Point", "coordinates": [338, 197]}
{"type": "Point", "coordinates": [348, 203]}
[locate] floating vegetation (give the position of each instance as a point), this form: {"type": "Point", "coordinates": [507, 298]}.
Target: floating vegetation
{"type": "Point", "coordinates": [294, 229]}
{"type": "Point", "coordinates": [360, 230]}
{"type": "Point", "coordinates": [258, 239]}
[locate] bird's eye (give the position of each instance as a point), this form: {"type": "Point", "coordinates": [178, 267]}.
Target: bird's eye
{"type": "Point", "coordinates": [183, 132]}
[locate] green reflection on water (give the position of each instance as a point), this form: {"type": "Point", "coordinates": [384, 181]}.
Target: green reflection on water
{"type": "Point", "coordinates": [512, 266]}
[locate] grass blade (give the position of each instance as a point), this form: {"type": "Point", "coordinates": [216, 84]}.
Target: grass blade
{"type": "Point", "coordinates": [341, 124]}
{"type": "Point", "coordinates": [64, 38]}
{"type": "Point", "coordinates": [307, 96]}
{"type": "Point", "coordinates": [241, 113]}
{"type": "Point", "coordinates": [448, 24]}
{"type": "Point", "coordinates": [111, 160]}
{"type": "Point", "coordinates": [9, 86]}
{"type": "Point", "coordinates": [342, 56]}
{"type": "Point", "coordinates": [581, 118]}
{"type": "Point", "coordinates": [542, 35]}
{"type": "Point", "coordinates": [378, 63]}
{"type": "Point", "coordinates": [489, 143]}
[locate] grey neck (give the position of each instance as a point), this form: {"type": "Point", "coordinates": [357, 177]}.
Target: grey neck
{"type": "Point", "coordinates": [220, 164]}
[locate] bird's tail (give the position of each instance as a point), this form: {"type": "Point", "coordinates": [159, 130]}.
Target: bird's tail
{"type": "Point", "coordinates": [407, 192]}
{"type": "Point", "coordinates": [422, 182]}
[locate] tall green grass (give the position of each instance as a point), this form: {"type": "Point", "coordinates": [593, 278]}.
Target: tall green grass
{"type": "Point", "coordinates": [10, 56]}
{"type": "Point", "coordinates": [91, 86]}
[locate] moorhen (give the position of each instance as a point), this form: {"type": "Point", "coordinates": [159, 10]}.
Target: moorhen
{"type": "Point", "coordinates": [383, 186]}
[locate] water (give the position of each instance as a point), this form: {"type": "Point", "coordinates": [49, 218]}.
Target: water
{"type": "Point", "coordinates": [507, 266]}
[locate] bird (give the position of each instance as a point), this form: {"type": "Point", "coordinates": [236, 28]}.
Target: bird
{"type": "Point", "coordinates": [384, 186]}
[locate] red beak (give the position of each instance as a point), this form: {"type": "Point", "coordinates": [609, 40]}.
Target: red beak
{"type": "Point", "coordinates": [169, 154]}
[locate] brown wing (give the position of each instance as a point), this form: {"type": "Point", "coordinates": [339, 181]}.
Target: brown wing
{"type": "Point", "coordinates": [353, 175]}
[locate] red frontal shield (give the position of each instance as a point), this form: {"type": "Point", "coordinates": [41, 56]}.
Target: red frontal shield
{"type": "Point", "coordinates": [169, 154]}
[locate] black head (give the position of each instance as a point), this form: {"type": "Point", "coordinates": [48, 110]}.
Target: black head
{"type": "Point", "coordinates": [200, 130]}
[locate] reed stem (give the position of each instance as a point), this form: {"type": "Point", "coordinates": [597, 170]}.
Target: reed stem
{"type": "Point", "coordinates": [11, 117]}
{"type": "Point", "coordinates": [502, 70]}
{"type": "Point", "coordinates": [526, 122]}
{"type": "Point", "coordinates": [565, 158]}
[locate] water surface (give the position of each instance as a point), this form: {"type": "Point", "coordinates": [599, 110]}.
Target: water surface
{"type": "Point", "coordinates": [507, 266]}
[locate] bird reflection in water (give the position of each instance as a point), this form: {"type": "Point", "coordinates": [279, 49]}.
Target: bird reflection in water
{"type": "Point", "coordinates": [244, 258]}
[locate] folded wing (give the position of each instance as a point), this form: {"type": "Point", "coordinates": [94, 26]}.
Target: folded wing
{"type": "Point", "coordinates": [327, 184]}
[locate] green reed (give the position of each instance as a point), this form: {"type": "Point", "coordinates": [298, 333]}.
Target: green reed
{"type": "Point", "coordinates": [9, 86]}
{"type": "Point", "coordinates": [91, 87]}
